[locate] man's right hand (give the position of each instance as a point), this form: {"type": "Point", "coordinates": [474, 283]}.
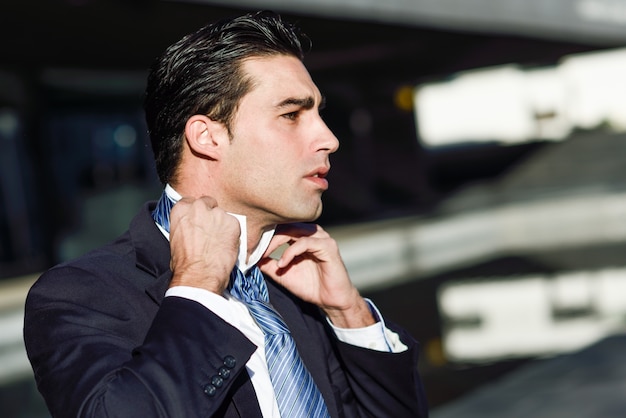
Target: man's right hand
{"type": "Point", "coordinates": [204, 242]}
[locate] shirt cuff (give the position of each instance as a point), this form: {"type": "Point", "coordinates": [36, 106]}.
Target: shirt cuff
{"type": "Point", "coordinates": [374, 337]}
{"type": "Point", "coordinates": [212, 301]}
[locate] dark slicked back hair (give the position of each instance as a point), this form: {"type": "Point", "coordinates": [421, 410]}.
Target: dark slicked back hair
{"type": "Point", "coordinates": [202, 74]}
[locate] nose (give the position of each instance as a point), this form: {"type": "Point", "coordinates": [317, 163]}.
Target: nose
{"type": "Point", "coordinates": [326, 139]}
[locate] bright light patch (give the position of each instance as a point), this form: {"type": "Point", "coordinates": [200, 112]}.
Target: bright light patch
{"type": "Point", "coordinates": [511, 105]}
{"type": "Point", "coordinates": [513, 317]}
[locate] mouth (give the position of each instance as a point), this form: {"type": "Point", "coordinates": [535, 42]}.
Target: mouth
{"type": "Point", "coordinates": [319, 177]}
{"type": "Point", "coordinates": [320, 172]}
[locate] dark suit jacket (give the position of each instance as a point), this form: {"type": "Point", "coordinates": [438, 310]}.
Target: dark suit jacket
{"type": "Point", "coordinates": [104, 342]}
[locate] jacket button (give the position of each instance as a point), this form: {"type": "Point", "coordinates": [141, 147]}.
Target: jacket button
{"type": "Point", "coordinates": [210, 390]}
{"type": "Point", "coordinates": [217, 381]}
{"type": "Point", "coordinates": [224, 372]}
{"type": "Point", "coordinates": [230, 362]}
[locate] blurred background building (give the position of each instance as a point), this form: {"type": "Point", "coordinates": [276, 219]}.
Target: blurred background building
{"type": "Point", "coordinates": [478, 195]}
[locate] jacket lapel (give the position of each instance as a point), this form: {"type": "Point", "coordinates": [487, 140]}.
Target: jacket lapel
{"type": "Point", "coordinates": [152, 253]}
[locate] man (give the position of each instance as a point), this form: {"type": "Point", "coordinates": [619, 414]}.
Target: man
{"type": "Point", "coordinates": [147, 328]}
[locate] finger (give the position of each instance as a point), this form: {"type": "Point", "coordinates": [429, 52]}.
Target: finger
{"type": "Point", "coordinates": [268, 266]}
{"type": "Point", "coordinates": [289, 233]}
{"type": "Point", "coordinates": [275, 242]}
{"type": "Point", "coordinates": [189, 202]}
{"type": "Point", "coordinates": [310, 246]}
{"type": "Point", "coordinates": [208, 201]}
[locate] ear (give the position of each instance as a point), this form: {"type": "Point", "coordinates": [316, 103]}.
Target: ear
{"type": "Point", "coordinates": [205, 136]}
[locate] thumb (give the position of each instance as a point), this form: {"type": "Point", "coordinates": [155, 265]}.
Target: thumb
{"type": "Point", "coordinates": [268, 266]}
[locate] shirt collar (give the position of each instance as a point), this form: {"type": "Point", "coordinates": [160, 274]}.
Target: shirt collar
{"type": "Point", "coordinates": [243, 262]}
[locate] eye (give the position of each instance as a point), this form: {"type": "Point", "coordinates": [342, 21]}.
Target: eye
{"type": "Point", "coordinates": [291, 115]}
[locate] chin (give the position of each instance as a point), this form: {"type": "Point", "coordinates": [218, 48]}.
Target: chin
{"type": "Point", "coordinates": [316, 215]}
{"type": "Point", "coordinates": [308, 216]}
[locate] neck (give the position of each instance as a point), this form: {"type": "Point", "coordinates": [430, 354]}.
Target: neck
{"type": "Point", "coordinates": [254, 237]}
{"type": "Point", "coordinates": [255, 234]}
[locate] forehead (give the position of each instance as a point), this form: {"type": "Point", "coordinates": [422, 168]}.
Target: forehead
{"type": "Point", "coordinates": [279, 77]}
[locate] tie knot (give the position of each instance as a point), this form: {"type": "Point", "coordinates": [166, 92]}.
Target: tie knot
{"type": "Point", "coordinates": [249, 287]}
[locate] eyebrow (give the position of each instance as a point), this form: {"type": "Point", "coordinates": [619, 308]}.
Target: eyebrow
{"type": "Point", "coordinates": [306, 102]}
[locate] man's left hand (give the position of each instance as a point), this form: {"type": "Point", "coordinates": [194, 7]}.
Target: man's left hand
{"type": "Point", "coordinates": [312, 269]}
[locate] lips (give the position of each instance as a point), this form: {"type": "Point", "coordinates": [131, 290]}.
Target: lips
{"type": "Point", "coordinates": [318, 177]}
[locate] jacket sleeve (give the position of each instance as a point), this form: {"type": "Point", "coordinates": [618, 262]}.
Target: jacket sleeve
{"type": "Point", "coordinates": [97, 352]}
{"type": "Point", "coordinates": [385, 385]}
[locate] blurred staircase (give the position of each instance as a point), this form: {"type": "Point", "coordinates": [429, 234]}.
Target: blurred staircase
{"type": "Point", "coordinates": [588, 162]}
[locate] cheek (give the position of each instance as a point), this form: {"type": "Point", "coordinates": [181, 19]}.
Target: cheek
{"type": "Point", "coordinates": [261, 173]}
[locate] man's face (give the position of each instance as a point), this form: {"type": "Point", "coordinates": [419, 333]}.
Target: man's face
{"type": "Point", "coordinates": [275, 166]}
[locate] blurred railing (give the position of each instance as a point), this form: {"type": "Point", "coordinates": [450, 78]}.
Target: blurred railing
{"type": "Point", "coordinates": [13, 362]}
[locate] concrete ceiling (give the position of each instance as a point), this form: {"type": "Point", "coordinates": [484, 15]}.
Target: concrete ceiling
{"type": "Point", "coordinates": [598, 21]}
{"type": "Point", "coordinates": [400, 40]}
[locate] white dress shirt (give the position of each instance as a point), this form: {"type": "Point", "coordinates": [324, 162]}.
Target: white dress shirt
{"type": "Point", "coordinates": [235, 312]}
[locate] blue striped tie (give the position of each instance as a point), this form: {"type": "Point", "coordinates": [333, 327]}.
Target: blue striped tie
{"type": "Point", "coordinates": [161, 213]}
{"type": "Point", "coordinates": [296, 392]}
